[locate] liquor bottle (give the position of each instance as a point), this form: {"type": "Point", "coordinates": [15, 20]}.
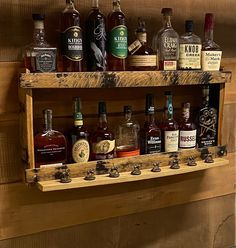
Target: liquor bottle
{"type": "Point", "coordinates": [150, 134]}
{"type": "Point", "coordinates": [187, 129]}
{"type": "Point", "coordinates": [211, 52]}
{"type": "Point", "coordinates": [207, 122]}
{"type": "Point", "coordinates": [169, 127]}
{"type": "Point", "coordinates": [103, 140]}
{"type": "Point", "coordinates": [168, 43]}
{"type": "Point", "coordinates": [117, 42]}
{"type": "Point", "coordinates": [190, 47]}
{"type": "Point", "coordinates": [71, 38]}
{"type": "Point", "coordinates": [49, 145]}
{"type": "Point", "coordinates": [78, 140]}
{"type": "Point", "coordinates": [141, 57]}
{"type": "Point", "coordinates": [40, 56]}
{"type": "Point", "coordinates": [127, 138]}
{"type": "Point", "coordinates": [96, 39]}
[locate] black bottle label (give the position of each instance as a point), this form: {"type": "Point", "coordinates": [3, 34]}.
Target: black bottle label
{"type": "Point", "coordinates": [72, 43]}
{"type": "Point", "coordinates": [45, 60]}
{"type": "Point", "coordinates": [152, 144]}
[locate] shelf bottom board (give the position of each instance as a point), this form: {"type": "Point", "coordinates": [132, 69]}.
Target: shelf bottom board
{"type": "Point", "coordinates": [79, 182]}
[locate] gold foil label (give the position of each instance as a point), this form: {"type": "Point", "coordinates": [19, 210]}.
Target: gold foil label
{"type": "Point", "coordinates": [142, 60]}
{"type": "Point", "coordinates": [103, 147]}
{"type": "Point", "coordinates": [81, 151]}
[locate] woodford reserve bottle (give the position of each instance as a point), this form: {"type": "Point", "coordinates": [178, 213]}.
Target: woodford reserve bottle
{"type": "Point", "coordinates": [207, 122]}
{"type": "Point", "coordinates": [168, 43]}
{"type": "Point", "coordinates": [187, 129]}
{"type": "Point", "coordinates": [40, 56]}
{"type": "Point", "coordinates": [141, 57]}
{"type": "Point", "coordinates": [150, 134]}
{"type": "Point", "coordinates": [211, 52]}
{"type": "Point", "coordinates": [118, 41]}
{"type": "Point", "coordinates": [78, 140]}
{"type": "Point", "coordinates": [169, 127]}
{"type": "Point", "coordinates": [96, 39]}
{"type": "Point", "coordinates": [49, 145]}
{"type": "Point", "coordinates": [103, 140]}
{"type": "Point", "coordinates": [190, 48]}
{"type": "Point", "coordinates": [71, 39]}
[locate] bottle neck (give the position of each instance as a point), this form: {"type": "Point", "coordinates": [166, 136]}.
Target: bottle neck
{"type": "Point", "coordinates": [169, 108]}
{"type": "Point", "coordinates": [78, 119]}
{"type": "Point", "coordinates": [39, 32]}
{"type": "Point", "coordinates": [167, 21]}
{"type": "Point", "coordinates": [186, 114]}
{"type": "Point", "coordinates": [95, 4]}
{"type": "Point", "coordinates": [70, 5]}
{"type": "Point", "coordinates": [116, 5]}
{"type": "Point", "coordinates": [48, 121]}
{"type": "Point", "coordinates": [142, 37]}
{"type": "Point", "coordinates": [150, 118]}
{"type": "Point", "coordinates": [103, 121]}
{"type": "Point", "coordinates": [128, 116]}
{"type": "Point", "coordinates": [209, 35]}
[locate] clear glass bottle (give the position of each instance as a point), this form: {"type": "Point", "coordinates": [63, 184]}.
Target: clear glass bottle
{"type": "Point", "coordinates": [78, 139]}
{"type": "Point", "coordinates": [96, 39]}
{"type": "Point", "coordinates": [118, 40]}
{"type": "Point", "coordinates": [71, 39]}
{"type": "Point", "coordinates": [127, 138]}
{"type": "Point", "coordinates": [141, 57]}
{"type": "Point", "coordinates": [49, 145]}
{"type": "Point", "coordinates": [211, 52]}
{"type": "Point", "coordinates": [190, 48]}
{"type": "Point", "coordinates": [150, 134]}
{"type": "Point", "coordinates": [40, 56]}
{"type": "Point", "coordinates": [168, 43]}
{"type": "Point", "coordinates": [103, 140]}
{"type": "Point", "coordinates": [187, 129]}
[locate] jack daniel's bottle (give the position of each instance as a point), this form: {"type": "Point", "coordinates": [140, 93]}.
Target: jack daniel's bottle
{"type": "Point", "coordinates": [96, 39]}
{"type": "Point", "coordinates": [207, 119]}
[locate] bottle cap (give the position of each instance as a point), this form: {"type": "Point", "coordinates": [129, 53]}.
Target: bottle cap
{"type": "Point", "coordinates": [102, 108]}
{"type": "Point", "coordinates": [47, 112]}
{"type": "Point", "coordinates": [209, 21]}
{"type": "Point", "coordinates": [167, 11]}
{"type": "Point", "coordinates": [168, 93]}
{"type": "Point", "coordinates": [189, 26]}
{"type": "Point", "coordinates": [38, 17]}
{"type": "Point", "coordinates": [150, 104]}
{"type": "Point", "coordinates": [127, 109]}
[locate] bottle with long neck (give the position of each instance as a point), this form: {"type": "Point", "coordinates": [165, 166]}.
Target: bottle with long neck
{"type": "Point", "coordinates": [71, 39]}
{"type": "Point", "coordinates": [103, 140]}
{"type": "Point", "coordinates": [118, 41]}
{"type": "Point", "coordinates": [150, 134]}
{"type": "Point", "coordinates": [96, 39]}
{"type": "Point", "coordinates": [211, 52]}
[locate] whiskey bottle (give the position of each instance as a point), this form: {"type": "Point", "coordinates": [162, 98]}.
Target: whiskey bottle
{"type": "Point", "coordinates": [49, 145]}
{"type": "Point", "coordinates": [190, 47]}
{"type": "Point", "coordinates": [40, 56]}
{"type": "Point", "coordinates": [207, 122]}
{"type": "Point", "coordinates": [96, 39]}
{"type": "Point", "coordinates": [150, 134]}
{"type": "Point", "coordinates": [78, 140]}
{"type": "Point", "coordinates": [117, 42]}
{"type": "Point", "coordinates": [71, 38]}
{"type": "Point", "coordinates": [127, 138]}
{"type": "Point", "coordinates": [168, 43]}
{"type": "Point", "coordinates": [187, 129]}
{"type": "Point", "coordinates": [211, 52]}
{"type": "Point", "coordinates": [103, 140]}
{"type": "Point", "coordinates": [169, 127]}
{"type": "Point", "coordinates": [141, 57]}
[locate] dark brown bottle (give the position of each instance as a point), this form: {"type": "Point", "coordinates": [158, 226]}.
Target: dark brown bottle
{"type": "Point", "coordinates": [71, 39]}
{"type": "Point", "coordinates": [96, 39]}
{"type": "Point", "coordinates": [117, 42]}
{"type": "Point", "coordinates": [150, 134]}
{"type": "Point", "coordinates": [103, 140]}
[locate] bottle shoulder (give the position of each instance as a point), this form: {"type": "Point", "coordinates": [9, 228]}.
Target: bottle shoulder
{"type": "Point", "coordinates": [188, 38]}
{"type": "Point", "coordinates": [168, 32]}
{"type": "Point", "coordinates": [95, 14]}
{"type": "Point", "coordinates": [210, 45]}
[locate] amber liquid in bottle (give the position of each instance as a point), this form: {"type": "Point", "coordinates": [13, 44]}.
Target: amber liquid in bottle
{"type": "Point", "coordinates": [71, 39]}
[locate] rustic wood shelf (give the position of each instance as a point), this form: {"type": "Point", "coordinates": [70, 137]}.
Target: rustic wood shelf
{"type": "Point", "coordinates": [122, 79]}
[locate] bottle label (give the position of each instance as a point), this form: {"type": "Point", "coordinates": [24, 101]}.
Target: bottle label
{"type": "Point", "coordinates": [72, 45]}
{"type": "Point", "coordinates": [81, 151]}
{"type": "Point", "coordinates": [153, 144]}
{"type": "Point", "coordinates": [45, 60]}
{"type": "Point", "coordinates": [134, 46]}
{"type": "Point", "coordinates": [103, 146]}
{"type": "Point", "coordinates": [211, 60]}
{"type": "Point", "coordinates": [142, 60]}
{"type": "Point", "coordinates": [118, 42]}
{"type": "Point", "coordinates": [187, 139]}
{"type": "Point", "coordinates": [169, 48]}
{"type": "Point", "coordinates": [190, 56]}
{"type": "Point", "coordinates": [171, 141]}
{"type": "Point", "coordinates": [170, 65]}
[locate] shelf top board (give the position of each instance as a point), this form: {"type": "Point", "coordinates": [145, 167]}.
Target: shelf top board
{"type": "Point", "coordinates": [121, 79]}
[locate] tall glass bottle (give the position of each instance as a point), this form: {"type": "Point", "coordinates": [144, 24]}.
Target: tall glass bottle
{"type": "Point", "coordinates": [118, 41]}
{"type": "Point", "coordinates": [127, 138]}
{"type": "Point", "coordinates": [211, 52]}
{"type": "Point", "coordinates": [71, 38]}
{"type": "Point", "coordinates": [169, 127]}
{"type": "Point", "coordinates": [78, 139]}
{"type": "Point", "coordinates": [103, 140]}
{"type": "Point", "coordinates": [49, 145]}
{"type": "Point", "coordinates": [168, 43]}
{"type": "Point", "coordinates": [96, 39]}
{"type": "Point", "coordinates": [150, 134]}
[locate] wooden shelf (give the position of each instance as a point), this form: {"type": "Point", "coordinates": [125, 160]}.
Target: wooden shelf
{"type": "Point", "coordinates": [121, 79]}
